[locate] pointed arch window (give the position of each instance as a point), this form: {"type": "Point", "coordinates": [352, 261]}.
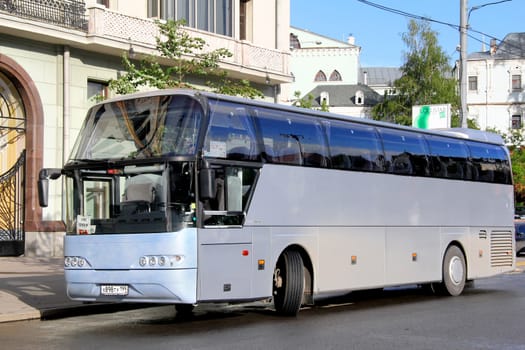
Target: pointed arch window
{"type": "Point", "coordinates": [335, 76]}
{"type": "Point", "coordinates": [320, 76]}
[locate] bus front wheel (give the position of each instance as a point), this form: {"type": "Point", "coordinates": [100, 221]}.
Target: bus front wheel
{"type": "Point", "coordinates": [454, 273]}
{"type": "Point", "coordinates": [288, 283]}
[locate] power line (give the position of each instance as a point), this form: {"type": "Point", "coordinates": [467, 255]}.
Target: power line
{"type": "Point", "coordinates": [454, 26]}
{"type": "Point", "coordinates": [407, 14]}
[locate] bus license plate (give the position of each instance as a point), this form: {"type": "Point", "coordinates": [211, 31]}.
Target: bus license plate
{"type": "Point", "coordinates": [114, 289]}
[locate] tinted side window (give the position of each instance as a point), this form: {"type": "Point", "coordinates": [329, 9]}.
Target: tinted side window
{"type": "Point", "coordinates": [230, 134]}
{"type": "Point", "coordinates": [449, 158]}
{"type": "Point", "coordinates": [354, 146]}
{"type": "Point", "coordinates": [405, 152]}
{"type": "Point", "coordinates": [290, 138]}
{"type": "Point", "coordinates": [490, 163]}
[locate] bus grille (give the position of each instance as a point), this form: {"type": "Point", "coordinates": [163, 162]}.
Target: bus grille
{"type": "Point", "coordinates": [501, 248]}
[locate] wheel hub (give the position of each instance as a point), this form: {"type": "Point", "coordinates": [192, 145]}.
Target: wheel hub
{"type": "Point", "coordinates": [456, 270]}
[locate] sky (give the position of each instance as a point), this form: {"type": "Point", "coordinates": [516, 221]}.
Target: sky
{"type": "Point", "coordinates": [378, 32]}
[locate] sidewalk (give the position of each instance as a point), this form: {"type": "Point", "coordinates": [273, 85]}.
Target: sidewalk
{"type": "Point", "coordinates": [29, 287]}
{"type": "Point", "coordinates": [34, 288]}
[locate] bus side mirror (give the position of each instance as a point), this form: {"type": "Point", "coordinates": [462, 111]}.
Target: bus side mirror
{"type": "Point", "coordinates": [43, 184]}
{"type": "Point", "coordinates": [207, 188]}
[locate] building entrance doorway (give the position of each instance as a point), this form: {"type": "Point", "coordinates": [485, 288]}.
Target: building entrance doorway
{"type": "Point", "coordinates": [12, 169]}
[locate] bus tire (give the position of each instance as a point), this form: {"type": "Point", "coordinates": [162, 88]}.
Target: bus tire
{"type": "Point", "coordinates": [288, 283]}
{"type": "Point", "coordinates": [454, 273]}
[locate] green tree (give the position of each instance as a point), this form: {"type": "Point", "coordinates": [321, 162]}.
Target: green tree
{"type": "Point", "coordinates": [183, 56]}
{"type": "Point", "coordinates": [514, 138]}
{"type": "Point", "coordinates": [517, 157]}
{"type": "Point", "coordinates": [426, 77]}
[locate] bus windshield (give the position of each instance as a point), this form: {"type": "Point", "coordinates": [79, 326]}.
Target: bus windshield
{"type": "Point", "coordinates": [140, 128]}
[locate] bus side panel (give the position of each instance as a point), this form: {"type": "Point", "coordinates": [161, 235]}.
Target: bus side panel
{"type": "Point", "coordinates": [300, 196]}
{"type": "Point", "coordinates": [226, 263]}
{"type": "Point", "coordinates": [262, 253]}
{"type": "Point", "coordinates": [225, 271]}
{"type": "Point", "coordinates": [420, 216]}
{"type": "Point", "coordinates": [413, 255]}
{"type": "Point", "coordinates": [490, 251]}
{"type": "Point", "coordinates": [350, 257]}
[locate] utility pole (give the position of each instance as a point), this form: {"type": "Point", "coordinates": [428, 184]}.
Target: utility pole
{"type": "Point", "coordinates": [464, 15]}
{"type": "Point", "coordinates": [463, 74]}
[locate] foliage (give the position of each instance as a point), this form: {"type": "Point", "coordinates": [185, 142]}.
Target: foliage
{"type": "Point", "coordinates": [308, 102]}
{"type": "Point", "coordinates": [426, 77]}
{"type": "Point", "coordinates": [517, 157]}
{"type": "Point", "coordinates": [514, 139]}
{"type": "Point", "coordinates": [187, 57]}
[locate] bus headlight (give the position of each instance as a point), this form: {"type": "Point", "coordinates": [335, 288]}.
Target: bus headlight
{"type": "Point", "coordinates": [160, 260]}
{"type": "Point", "coordinates": [75, 262]}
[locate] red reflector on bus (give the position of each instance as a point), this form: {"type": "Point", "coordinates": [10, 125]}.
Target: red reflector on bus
{"type": "Point", "coordinates": [245, 252]}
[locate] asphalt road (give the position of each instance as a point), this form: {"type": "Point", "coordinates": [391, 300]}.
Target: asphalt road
{"type": "Point", "coordinates": [487, 316]}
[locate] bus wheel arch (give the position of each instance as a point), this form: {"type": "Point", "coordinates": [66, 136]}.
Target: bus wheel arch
{"type": "Point", "coordinates": [454, 271]}
{"type": "Point", "coordinates": [292, 282]}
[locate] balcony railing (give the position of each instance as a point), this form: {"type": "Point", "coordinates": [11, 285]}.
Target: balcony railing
{"type": "Point", "coordinates": [105, 27]}
{"type": "Point", "coordinates": [140, 31]}
{"type": "Point", "coordinates": [64, 13]}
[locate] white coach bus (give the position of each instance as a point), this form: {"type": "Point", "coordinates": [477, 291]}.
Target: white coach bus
{"type": "Point", "coordinates": [189, 197]}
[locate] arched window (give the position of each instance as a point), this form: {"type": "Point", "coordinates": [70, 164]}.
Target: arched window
{"type": "Point", "coordinates": [12, 124]}
{"type": "Point", "coordinates": [335, 76]}
{"type": "Point", "coordinates": [320, 76]}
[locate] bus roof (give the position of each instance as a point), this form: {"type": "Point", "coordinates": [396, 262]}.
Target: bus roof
{"type": "Point", "coordinates": [463, 133]}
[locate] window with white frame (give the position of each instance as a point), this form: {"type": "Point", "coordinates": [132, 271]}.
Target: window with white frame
{"type": "Point", "coordinates": [97, 90]}
{"type": "Point", "coordinates": [359, 98]}
{"type": "Point", "coordinates": [516, 121]}
{"type": "Point", "coordinates": [324, 99]}
{"type": "Point", "coordinates": [210, 15]}
{"type": "Point", "coordinates": [516, 82]}
{"type": "Point", "coordinates": [472, 83]}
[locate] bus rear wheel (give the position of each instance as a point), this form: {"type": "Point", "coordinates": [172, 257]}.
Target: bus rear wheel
{"type": "Point", "coordinates": [288, 283]}
{"type": "Point", "coordinates": [454, 273]}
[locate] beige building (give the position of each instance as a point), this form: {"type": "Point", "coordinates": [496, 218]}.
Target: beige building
{"type": "Point", "coordinates": [55, 55]}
